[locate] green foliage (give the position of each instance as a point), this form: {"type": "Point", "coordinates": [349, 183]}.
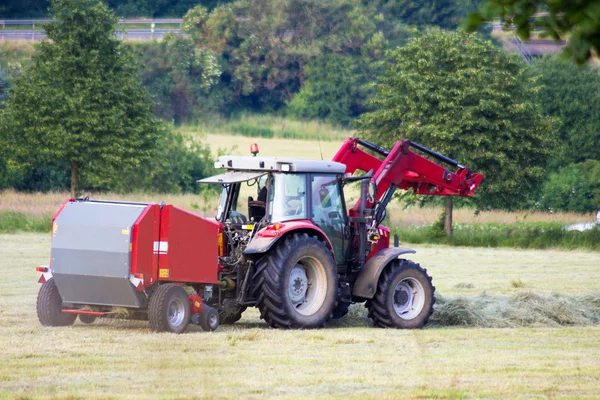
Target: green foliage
{"type": "Point", "coordinates": [577, 20]}
{"type": "Point", "coordinates": [174, 167]}
{"type": "Point", "coordinates": [574, 188]}
{"type": "Point", "coordinates": [442, 13]}
{"type": "Point", "coordinates": [519, 235]}
{"type": "Point", "coordinates": [571, 94]}
{"type": "Point", "coordinates": [81, 101]}
{"type": "Point", "coordinates": [180, 76]}
{"type": "Point", "coordinates": [265, 46]}
{"type": "Point", "coordinates": [334, 88]}
{"type": "Point", "coordinates": [11, 222]}
{"type": "Point", "coordinates": [14, 9]}
{"type": "Point", "coordinates": [463, 97]}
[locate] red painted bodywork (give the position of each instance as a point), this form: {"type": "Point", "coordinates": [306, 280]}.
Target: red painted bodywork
{"type": "Point", "coordinates": [382, 243]}
{"type": "Point", "coordinates": [85, 312]}
{"type": "Point", "coordinates": [279, 229]}
{"type": "Point", "coordinates": [196, 304]}
{"type": "Point", "coordinates": [192, 254]}
{"type": "Point", "coordinates": [407, 170]}
{"type": "Point", "coordinates": [144, 233]}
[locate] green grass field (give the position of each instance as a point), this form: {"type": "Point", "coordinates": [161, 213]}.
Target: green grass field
{"type": "Point", "coordinates": [348, 359]}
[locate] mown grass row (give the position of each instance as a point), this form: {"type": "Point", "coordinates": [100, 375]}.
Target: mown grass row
{"type": "Point", "coordinates": [522, 309]}
{"type": "Point", "coordinates": [517, 235]}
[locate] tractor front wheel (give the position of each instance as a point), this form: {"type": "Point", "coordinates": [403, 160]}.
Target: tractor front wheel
{"type": "Point", "coordinates": [295, 283]}
{"type": "Point", "coordinates": [404, 297]}
{"type": "Point", "coordinates": [49, 306]}
{"type": "Point", "coordinates": [169, 309]}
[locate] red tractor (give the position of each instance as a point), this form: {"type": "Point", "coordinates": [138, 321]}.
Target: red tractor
{"type": "Point", "coordinates": [295, 251]}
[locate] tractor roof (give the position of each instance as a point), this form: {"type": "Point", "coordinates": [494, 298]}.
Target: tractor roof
{"type": "Point", "coordinates": [280, 164]}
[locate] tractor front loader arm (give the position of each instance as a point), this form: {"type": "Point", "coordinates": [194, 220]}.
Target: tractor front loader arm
{"type": "Point", "coordinates": [403, 168]}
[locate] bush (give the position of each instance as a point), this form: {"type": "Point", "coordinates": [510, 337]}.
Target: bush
{"type": "Point", "coordinates": [574, 188]}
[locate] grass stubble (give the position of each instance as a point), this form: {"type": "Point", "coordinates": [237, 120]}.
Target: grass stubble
{"type": "Point", "coordinates": [348, 359]}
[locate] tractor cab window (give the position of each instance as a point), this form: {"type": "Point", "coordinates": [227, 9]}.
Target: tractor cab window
{"type": "Point", "coordinates": [328, 211]}
{"type": "Point", "coordinates": [287, 200]}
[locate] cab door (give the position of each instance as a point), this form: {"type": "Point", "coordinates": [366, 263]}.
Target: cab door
{"type": "Point", "coordinates": [328, 211]}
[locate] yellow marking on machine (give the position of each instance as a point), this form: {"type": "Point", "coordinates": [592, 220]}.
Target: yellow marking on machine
{"type": "Point", "coordinates": [55, 228]}
{"type": "Point", "coordinates": [163, 273]}
{"type": "Point", "coordinates": [248, 227]}
{"type": "Point", "coordinates": [125, 231]}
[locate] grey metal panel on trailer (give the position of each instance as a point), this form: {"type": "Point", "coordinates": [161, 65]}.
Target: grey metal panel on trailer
{"type": "Point", "coordinates": [91, 253]}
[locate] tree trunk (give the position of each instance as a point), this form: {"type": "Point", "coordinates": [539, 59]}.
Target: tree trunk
{"type": "Point", "coordinates": [448, 219]}
{"type": "Point", "coordinates": [74, 180]}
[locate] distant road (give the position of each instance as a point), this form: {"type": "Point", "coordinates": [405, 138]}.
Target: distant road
{"type": "Point", "coordinates": [146, 33]}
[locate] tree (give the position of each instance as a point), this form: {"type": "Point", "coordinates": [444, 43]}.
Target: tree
{"type": "Point", "coordinates": [180, 76]}
{"type": "Point", "coordinates": [571, 94]}
{"type": "Point", "coordinates": [334, 89]}
{"type": "Point", "coordinates": [463, 97]}
{"type": "Point", "coordinates": [445, 14]}
{"type": "Point", "coordinates": [81, 101]}
{"type": "Point", "coordinates": [577, 20]}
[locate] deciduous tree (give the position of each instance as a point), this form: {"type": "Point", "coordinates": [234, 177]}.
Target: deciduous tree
{"type": "Point", "coordinates": [81, 101]}
{"type": "Point", "coordinates": [463, 97]}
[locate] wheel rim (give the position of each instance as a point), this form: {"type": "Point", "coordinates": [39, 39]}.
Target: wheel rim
{"type": "Point", "coordinates": [408, 298]}
{"type": "Point", "coordinates": [307, 286]}
{"type": "Point", "coordinates": [176, 312]}
{"type": "Point", "coordinates": [213, 320]}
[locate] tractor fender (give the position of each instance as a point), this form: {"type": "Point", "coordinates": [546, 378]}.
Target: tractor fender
{"type": "Point", "coordinates": [268, 236]}
{"type": "Point", "coordinates": [368, 277]}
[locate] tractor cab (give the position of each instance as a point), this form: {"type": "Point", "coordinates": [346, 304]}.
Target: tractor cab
{"type": "Point", "coordinates": [258, 192]}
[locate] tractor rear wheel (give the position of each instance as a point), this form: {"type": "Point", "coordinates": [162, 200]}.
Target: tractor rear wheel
{"type": "Point", "coordinates": [404, 297]}
{"type": "Point", "coordinates": [231, 315]}
{"type": "Point", "coordinates": [295, 283]}
{"type": "Point", "coordinates": [169, 309]}
{"type": "Point", "coordinates": [49, 306]}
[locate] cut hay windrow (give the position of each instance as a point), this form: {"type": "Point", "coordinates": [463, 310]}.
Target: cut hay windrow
{"type": "Point", "coordinates": [523, 309]}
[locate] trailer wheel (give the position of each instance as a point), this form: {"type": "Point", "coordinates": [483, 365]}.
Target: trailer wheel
{"type": "Point", "coordinates": [230, 315]}
{"type": "Point", "coordinates": [404, 297]}
{"type": "Point", "coordinates": [169, 309]}
{"type": "Point", "coordinates": [209, 319]}
{"type": "Point", "coordinates": [86, 318]}
{"type": "Point", "coordinates": [49, 306]}
{"type": "Point", "coordinates": [295, 283]}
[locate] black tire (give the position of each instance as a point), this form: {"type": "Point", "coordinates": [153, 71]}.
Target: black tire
{"type": "Point", "coordinates": [340, 310]}
{"type": "Point", "coordinates": [302, 259]}
{"type": "Point", "coordinates": [169, 309]}
{"type": "Point", "coordinates": [230, 315]}
{"type": "Point", "coordinates": [49, 306]}
{"type": "Point", "coordinates": [86, 318]}
{"type": "Point", "coordinates": [209, 319]}
{"type": "Point", "coordinates": [394, 306]}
